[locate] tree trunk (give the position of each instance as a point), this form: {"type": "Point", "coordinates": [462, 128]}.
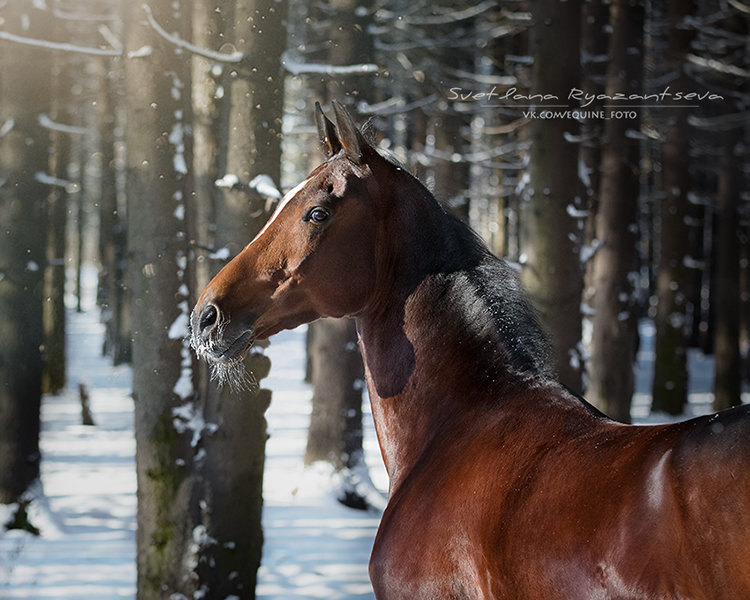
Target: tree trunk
{"type": "Point", "coordinates": [209, 123]}
{"type": "Point", "coordinates": [112, 295]}
{"type": "Point", "coordinates": [54, 276]}
{"type": "Point", "coordinates": [615, 268]}
{"type": "Point", "coordinates": [550, 234]}
{"type": "Point", "coordinates": [670, 366]}
{"type": "Point", "coordinates": [24, 158]}
{"type": "Point", "coordinates": [168, 425]}
{"type": "Point", "coordinates": [594, 45]}
{"type": "Point", "coordinates": [235, 454]}
{"type": "Point", "coordinates": [727, 374]}
{"type": "Point", "coordinates": [335, 434]}
{"type": "Point", "coordinates": [744, 290]}
{"type": "Point", "coordinates": [451, 176]}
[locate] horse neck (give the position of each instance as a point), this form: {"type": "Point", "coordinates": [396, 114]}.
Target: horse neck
{"type": "Point", "coordinates": [431, 366]}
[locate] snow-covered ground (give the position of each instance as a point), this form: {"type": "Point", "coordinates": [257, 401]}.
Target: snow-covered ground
{"type": "Point", "coordinates": [85, 503]}
{"type": "Point", "coordinates": [314, 546]}
{"type": "Point", "coordinates": [85, 506]}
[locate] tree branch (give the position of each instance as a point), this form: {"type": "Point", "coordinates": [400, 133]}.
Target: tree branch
{"type": "Point", "coordinates": [47, 123]}
{"type": "Point", "coordinates": [176, 40]}
{"type": "Point", "coordinates": [299, 68]}
{"type": "Point", "coordinates": [743, 8]}
{"type": "Point", "coordinates": [717, 65]}
{"type": "Point", "coordinates": [64, 47]}
{"type": "Point", "coordinates": [448, 18]}
{"type": "Point", "coordinates": [720, 122]}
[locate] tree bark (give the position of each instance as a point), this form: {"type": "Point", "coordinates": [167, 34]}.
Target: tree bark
{"type": "Point", "coordinates": [335, 433]}
{"type": "Point", "coordinates": [168, 425]}
{"type": "Point", "coordinates": [727, 360]}
{"type": "Point", "coordinates": [595, 37]}
{"type": "Point", "coordinates": [672, 283]}
{"type": "Point", "coordinates": [235, 454]}
{"type": "Point", "coordinates": [112, 294]}
{"type": "Point", "coordinates": [615, 268]}
{"type": "Point", "coordinates": [54, 276]}
{"type": "Point", "coordinates": [550, 234]}
{"type": "Point", "coordinates": [24, 161]}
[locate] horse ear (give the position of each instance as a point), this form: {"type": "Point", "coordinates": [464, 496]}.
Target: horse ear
{"type": "Point", "coordinates": [326, 131]}
{"type": "Point", "coordinates": [349, 136]}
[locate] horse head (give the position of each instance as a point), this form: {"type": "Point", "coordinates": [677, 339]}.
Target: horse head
{"type": "Point", "coordinates": [313, 258]}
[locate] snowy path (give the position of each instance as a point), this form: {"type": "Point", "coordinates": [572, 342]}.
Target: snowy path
{"type": "Point", "coordinates": [315, 548]}
{"type": "Point", "coordinates": [87, 508]}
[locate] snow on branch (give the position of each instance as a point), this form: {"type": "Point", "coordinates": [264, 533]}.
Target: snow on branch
{"type": "Point", "coordinates": [110, 37]}
{"type": "Point", "coordinates": [449, 17]}
{"type": "Point", "coordinates": [176, 40]}
{"type": "Point", "coordinates": [261, 184]}
{"type": "Point", "coordinates": [48, 123]}
{"type": "Point", "coordinates": [7, 127]}
{"type": "Point", "coordinates": [82, 15]}
{"type": "Point", "coordinates": [47, 179]}
{"type": "Point", "coordinates": [264, 185]}
{"type": "Point", "coordinates": [717, 65]}
{"type": "Point", "coordinates": [725, 122]}
{"type": "Point", "coordinates": [298, 68]}
{"type": "Point", "coordinates": [744, 8]}
{"type": "Point", "coordinates": [394, 106]}
{"type": "Point", "coordinates": [64, 47]}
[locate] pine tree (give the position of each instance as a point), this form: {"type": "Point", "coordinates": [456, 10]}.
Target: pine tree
{"type": "Point", "coordinates": [158, 152]}
{"type": "Point", "coordinates": [727, 373]}
{"type": "Point", "coordinates": [24, 163]}
{"type": "Point", "coordinates": [615, 268]}
{"type": "Point", "coordinates": [550, 231]}
{"type": "Point", "coordinates": [232, 475]}
{"type": "Point", "coordinates": [670, 367]}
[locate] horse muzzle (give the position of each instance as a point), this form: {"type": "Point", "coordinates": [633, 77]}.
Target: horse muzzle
{"type": "Point", "coordinates": [213, 337]}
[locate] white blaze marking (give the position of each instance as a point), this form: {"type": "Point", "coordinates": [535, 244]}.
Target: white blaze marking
{"type": "Point", "coordinates": [282, 203]}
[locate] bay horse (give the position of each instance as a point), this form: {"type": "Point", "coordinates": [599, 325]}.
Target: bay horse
{"type": "Point", "coordinates": [503, 483]}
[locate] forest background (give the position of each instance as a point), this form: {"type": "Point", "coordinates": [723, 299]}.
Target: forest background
{"type": "Point", "coordinates": [602, 147]}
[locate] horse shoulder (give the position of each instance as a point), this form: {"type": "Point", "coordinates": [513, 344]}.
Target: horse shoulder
{"type": "Point", "coordinates": [713, 482]}
{"type": "Point", "coordinates": [459, 500]}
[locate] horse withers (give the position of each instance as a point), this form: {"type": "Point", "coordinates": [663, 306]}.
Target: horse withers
{"type": "Point", "coordinates": [503, 484]}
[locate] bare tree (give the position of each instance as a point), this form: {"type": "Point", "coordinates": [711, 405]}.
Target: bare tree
{"type": "Point", "coordinates": [550, 227]}
{"type": "Point", "coordinates": [24, 162]}
{"type": "Point", "coordinates": [719, 54]}
{"type": "Point", "coordinates": [168, 425]}
{"type": "Point", "coordinates": [670, 367]}
{"type": "Point", "coordinates": [112, 293]}
{"type": "Point", "coordinates": [337, 373]}
{"type": "Point", "coordinates": [727, 374]}
{"type": "Point", "coordinates": [54, 277]}
{"type": "Point", "coordinates": [615, 269]}
{"type": "Point", "coordinates": [250, 151]}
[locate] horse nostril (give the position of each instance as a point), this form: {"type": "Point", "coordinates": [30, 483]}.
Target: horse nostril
{"type": "Point", "coordinates": [208, 319]}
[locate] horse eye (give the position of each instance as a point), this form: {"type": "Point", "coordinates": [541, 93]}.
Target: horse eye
{"type": "Point", "coordinates": [317, 214]}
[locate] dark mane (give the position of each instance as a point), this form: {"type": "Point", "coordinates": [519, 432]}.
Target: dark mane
{"type": "Point", "coordinates": [490, 293]}
{"type": "Point", "coordinates": [488, 289]}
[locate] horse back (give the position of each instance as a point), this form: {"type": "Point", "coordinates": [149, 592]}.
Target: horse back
{"type": "Point", "coordinates": [557, 502]}
{"type": "Point", "coordinates": [711, 467]}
